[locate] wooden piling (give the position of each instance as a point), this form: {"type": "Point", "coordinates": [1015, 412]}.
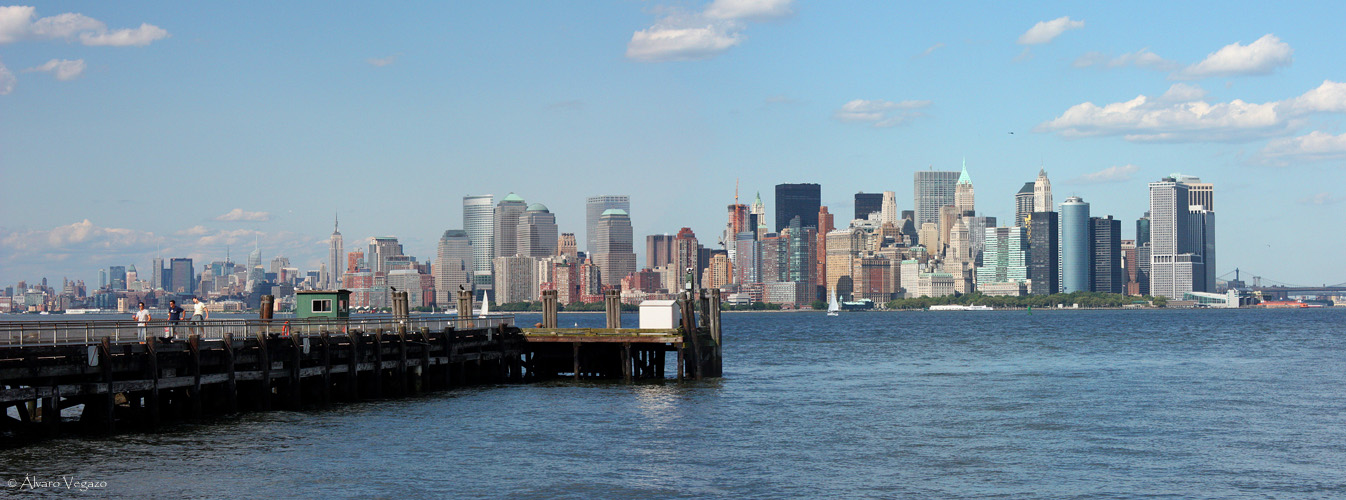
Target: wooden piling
{"type": "Point", "coordinates": [401, 361]}
{"type": "Point", "coordinates": [575, 357]}
{"type": "Point", "coordinates": [264, 360]}
{"type": "Point", "coordinates": [231, 383]}
{"type": "Point", "coordinates": [110, 401]}
{"type": "Point", "coordinates": [194, 347]}
{"type": "Point", "coordinates": [152, 363]}
{"type": "Point", "coordinates": [549, 308]}
{"type": "Point", "coordinates": [448, 354]}
{"type": "Point", "coordinates": [326, 340]}
{"type": "Point", "coordinates": [352, 368]}
{"type": "Point", "coordinates": [612, 302]}
{"type": "Point", "coordinates": [378, 364]}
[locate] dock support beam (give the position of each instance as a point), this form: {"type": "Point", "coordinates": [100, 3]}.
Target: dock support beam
{"type": "Point", "coordinates": [612, 302]}
{"type": "Point", "coordinates": [549, 307]}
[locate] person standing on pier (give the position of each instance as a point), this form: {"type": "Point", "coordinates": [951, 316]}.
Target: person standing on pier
{"type": "Point", "coordinates": [199, 314]}
{"type": "Point", "coordinates": [174, 317]}
{"type": "Point", "coordinates": [142, 316]}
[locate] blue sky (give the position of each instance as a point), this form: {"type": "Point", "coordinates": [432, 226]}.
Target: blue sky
{"type": "Point", "coordinates": [132, 128]}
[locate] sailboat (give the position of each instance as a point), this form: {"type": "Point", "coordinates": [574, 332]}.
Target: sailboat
{"type": "Point", "coordinates": [485, 304]}
{"type": "Point", "coordinates": [834, 307]}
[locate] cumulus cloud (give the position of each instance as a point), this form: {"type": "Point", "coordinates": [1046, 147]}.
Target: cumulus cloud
{"type": "Point", "coordinates": [880, 113]}
{"type": "Point", "coordinates": [239, 214]}
{"type": "Point", "coordinates": [1315, 146]}
{"type": "Point", "coordinates": [1322, 199]}
{"type": "Point", "coordinates": [1142, 58]}
{"type": "Point", "coordinates": [81, 236]}
{"type": "Point", "coordinates": [1046, 31]}
{"type": "Point", "coordinates": [380, 62]}
{"type": "Point", "coordinates": [1113, 174]}
{"type": "Point", "coordinates": [749, 9]}
{"type": "Point", "coordinates": [7, 80]}
{"type": "Point", "coordinates": [1181, 115]}
{"type": "Point", "coordinates": [21, 23]}
{"type": "Point", "coordinates": [682, 36]}
{"type": "Point", "coordinates": [64, 69]}
{"type": "Point", "coordinates": [1258, 58]}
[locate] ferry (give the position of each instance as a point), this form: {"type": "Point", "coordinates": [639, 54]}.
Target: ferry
{"type": "Point", "coordinates": [957, 307]}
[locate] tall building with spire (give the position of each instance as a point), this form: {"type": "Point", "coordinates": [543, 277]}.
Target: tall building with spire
{"type": "Point", "coordinates": [962, 191]}
{"type": "Point", "coordinates": [888, 213]}
{"type": "Point", "coordinates": [335, 250]}
{"type": "Point", "coordinates": [759, 209]}
{"type": "Point", "coordinates": [1042, 193]}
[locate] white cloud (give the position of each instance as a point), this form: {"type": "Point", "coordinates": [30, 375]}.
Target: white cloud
{"type": "Point", "coordinates": [21, 22]}
{"type": "Point", "coordinates": [1322, 199]}
{"type": "Point", "coordinates": [1258, 58]}
{"type": "Point", "coordinates": [880, 113]}
{"type": "Point", "coordinates": [81, 236]}
{"type": "Point", "coordinates": [749, 9]}
{"type": "Point", "coordinates": [1113, 174]}
{"type": "Point", "coordinates": [1142, 58]}
{"type": "Point", "coordinates": [7, 80]}
{"type": "Point", "coordinates": [1313, 147]}
{"type": "Point", "coordinates": [671, 40]}
{"type": "Point", "coordinates": [64, 69]}
{"type": "Point", "coordinates": [1046, 31]}
{"type": "Point", "coordinates": [239, 214]}
{"type": "Point", "coordinates": [1181, 116]}
{"type": "Point", "coordinates": [932, 49]}
{"type": "Point", "coordinates": [380, 62]}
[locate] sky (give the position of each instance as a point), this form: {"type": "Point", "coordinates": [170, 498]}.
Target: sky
{"type": "Point", "coordinates": [129, 130]}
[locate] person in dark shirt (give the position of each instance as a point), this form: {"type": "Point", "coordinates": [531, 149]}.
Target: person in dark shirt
{"type": "Point", "coordinates": [174, 316]}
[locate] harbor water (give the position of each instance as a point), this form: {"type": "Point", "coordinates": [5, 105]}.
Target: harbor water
{"type": "Point", "coordinates": [985, 404]}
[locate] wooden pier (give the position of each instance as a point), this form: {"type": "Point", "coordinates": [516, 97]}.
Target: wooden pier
{"type": "Point", "coordinates": [225, 367]}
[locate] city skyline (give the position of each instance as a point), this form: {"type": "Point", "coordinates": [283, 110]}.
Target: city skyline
{"type": "Point", "coordinates": [170, 145]}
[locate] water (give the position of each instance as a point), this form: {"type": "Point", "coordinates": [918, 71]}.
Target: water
{"type": "Point", "coordinates": [1074, 404]}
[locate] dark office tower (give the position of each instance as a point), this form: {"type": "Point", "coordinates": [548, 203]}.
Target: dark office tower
{"type": "Point", "coordinates": [1044, 255]}
{"type": "Point", "coordinates": [1107, 245]}
{"type": "Point", "coordinates": [658, 250]}
{"type": "Point", "coordinates": [184, 277]}
{"type": "Point", "coordinates": [798, 200]}
{"type": "Point", "coordinates": [118, 277]}
{"type": "Point", "coordinates": [932, 190]}
{"type": "Point", "coordinates": [1143, 230]}
{"type": "Point", "coordinates": [1023, 204]}
{"type": "Point", "coordinates": [867, 203]}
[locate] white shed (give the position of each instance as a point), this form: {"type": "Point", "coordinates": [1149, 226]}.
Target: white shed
{"type": "Point", "coordinates": [660, 314]}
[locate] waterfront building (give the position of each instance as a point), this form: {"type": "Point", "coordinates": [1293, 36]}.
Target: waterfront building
{"type": "Point", "coordinates": [800, 249]}
{"type": "Point", "coordinates": [514, 280]}
{"type": "Point", "coordinates": [536, 232]}
{"type": "Point", "coordinates": [1107, 258]}
{"type": "Point", "coordinates": [614, 254]}
{"type": "Point", "coordinates": [934, 285]}
{"type": "Point", "coordinates": [1177, 261]}
{"type": "Point", "coordinates": [184, 276]}
{"type": "Point", "coordinates": [1042, 193]}
{"type": "Point", "coordinates": [479, 223]}
{"type": "Point", "coordinates": [867, 203]}
{"type": "Point", "coordinates": [1076, 246]}
{"type": "Point", "coordinates": [1143, 230]}
{"type": "Point", "coordinates": [933, 190]}
{"type": "Point", "coordinates": [567, 246]}
{"type": "Point", "coordinates": [1131, 284]}
{"type": "Point", "coordinates": [797, 200]}
{"type": "Point", "coordinates": [1044, 254]}
{"type": "Point", "coordinates": [746, 258]}
{"type": "Point", "coordinates": [1023, 204]}
{"type": "Point", "coordinates": [825, 226]}
{"type": "Point", "coordinates": [331, 280]}
{"type": "Point", "coordinates": [594, 206]}
{"type": "Point", "coordinates": [1006, 257]}
{"type": "Point", "coordinates": [506, 223]}
{"type": "Point", "coordinates": [962, 192]}
{"type": "Point", "coordinates": [658, 250]}
{"type": "Point", "coordinates": [453, 266]}
{"type": "Point", "coordinates": [843, 245]}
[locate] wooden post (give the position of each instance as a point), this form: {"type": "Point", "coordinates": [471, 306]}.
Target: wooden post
{"type": "Point", "coordinates": [194, 346]}
{"type": "Point", "coordinates": [110, 403]}
{"type": "Point", "coordinates": [626, 362]}
{"type": "Point", "coordinates": [575, 356]}
{"type": "Point", "coordinates": [612, 300]}
{"type": "Point", "coordinates": [401, 360]}
{"type": "Point", "coordinates": [549, 307]}
{"type": "Point", "coordinates": [264, 359]}
{"type": "Point", "coordinates": [464, 308]}
{"type": "Point", "coordinates": [448, 356]}
{"type": "Point", "coordinates": [717, 362]}
{"type": "Point", "coordinates": [679, 349]}
{"type": "Point", "coordinates": [152, 362]}
{"type": "Point", "coordinates": [694, 355]}
{"type": "Point", "coordinates": [231, 383]}
{"type": "Point", "coordinates": [326, 340]}
{"type": "Point", "coordinates": [51, 410]}
{"type": "Point", "coordinates": [378, 364]}
{"type": "Point", "coordinates": [353, 365]}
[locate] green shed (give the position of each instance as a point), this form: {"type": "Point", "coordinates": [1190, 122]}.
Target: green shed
{"type": "Point", "coordinates": [323, 304]}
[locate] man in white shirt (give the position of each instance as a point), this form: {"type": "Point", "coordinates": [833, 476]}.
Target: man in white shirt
{"type": "Point", "coordinates": [199, 314]}
{"type": "Point", "coordinates": [142, 316]}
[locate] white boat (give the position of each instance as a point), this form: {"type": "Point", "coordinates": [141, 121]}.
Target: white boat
{"type": "Point", "coordinates": [957, 307]}
{"type": "Point", "coordinates": [834, 307]}
{"type": "Point", "coordinates": [485, 304]}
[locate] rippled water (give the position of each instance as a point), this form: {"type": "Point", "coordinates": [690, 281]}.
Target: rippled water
{"type": "Point", "coordinates": [1056, 404]}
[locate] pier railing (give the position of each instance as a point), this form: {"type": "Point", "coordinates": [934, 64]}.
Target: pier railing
{"type": "Point", "coordinates": [35, 333]}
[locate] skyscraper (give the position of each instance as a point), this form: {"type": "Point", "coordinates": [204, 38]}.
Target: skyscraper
{"type": "Point", "coordinates": [507, 214]}
{"type": "Point", "coordinates": [962, 192]}
{"type": "Point", "coordinates": [566, 246]}
{"type": "Point", "coordinates": [1044, 253]}
{"type": "Point", "coordinates": [888, 213]}
{"type": "Point", "coordinates": [381, 249]}
{"type": "Point", "coordinates": [453, 265]}
{"type": "Point", "coordinates": [867, 203]}
{"type": "Point", "coordinates": [933, 189]}
{"type": "Point", "coordinates": [117, 276]}
{"type": "Point", "coordinates": [1107, 259]}
{"type": "Point", "coordinates": [1077, 252]}
{"type": "Point", "coordinates": [537, 232]}
{"type": "Point", "coordinates": [1006, 257]}
{"type": "Point", "coordinates": [184, 276]}
{"type": "Point", "coordinates": [614, 254]}
{"type": "Point", "coordinates": [1042, 193]}
{"type": "Point", "coordinates": [479, 223]}
{"type": "Point", "coordinates": [684, 257]}
{"type": "Point", "coordinates": [593, 209]}
{"type": "Point", "coordinates": [758, 208]}
{"type": "Point", "coordinates": [157, 274]}
{"type": "Point", "coordinates": [1173, 264]}
{"type": "Point", "coordinates": [797, 200]}
{"type": "Point", "coordinates": [1023, 204]}
{"type": "Point", "coordinates": [336, 248]}
{"type": "Point", "coordinates": [825, 225]}
{"type": "Point", "coordinates": [658, 250]}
